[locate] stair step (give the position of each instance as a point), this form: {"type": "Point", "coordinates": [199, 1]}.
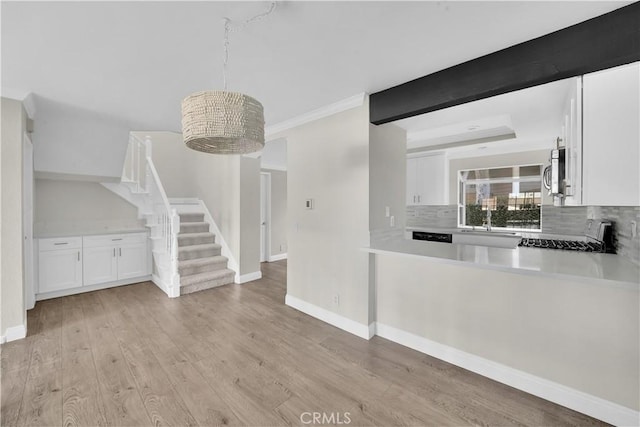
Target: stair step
{"type": "Point", "coordinates": [191, 217]}
{"type": "Point", "coordinates": [187, 239]}
{"type": "Point", "coordinates": [201, 265]}
{"type": "Point", "coordinates": [208, 280]}
{"type": "Point", "coordinates": [199, 251]}
{"type": "Point", "coordinates": [194, 227]}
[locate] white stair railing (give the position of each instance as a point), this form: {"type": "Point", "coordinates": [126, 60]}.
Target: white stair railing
{"type": "Point", "coordinates": [141, 175]}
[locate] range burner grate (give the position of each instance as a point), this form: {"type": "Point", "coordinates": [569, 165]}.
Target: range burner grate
{"type": "Point", "coordinates": [569, 245]}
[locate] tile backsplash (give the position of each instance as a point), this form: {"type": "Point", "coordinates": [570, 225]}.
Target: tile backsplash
{"type": "Point", "coordinates": [432, 216]}
{"type": "Point", "coordinates": [571, 220]}
{"type": "Point", "coordinates": [565, 220]}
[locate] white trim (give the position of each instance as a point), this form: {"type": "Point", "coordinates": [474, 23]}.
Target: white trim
{"type": "Point", "coordinates": [249, 277]}
{"type": "Point", "coordinates": [14, 333]}
{"type": "Point", "coordinates": [172, 291]}
{"type": "Point", "coordinates": [334, 319]}
{"type": "Point", "coordinates": [184, 201]}
{"type": "Point", "coordinates": [265, 245]}
{"type": "Point", "coordinates": [372, 329]}
{"type": "Point", "coordinates": [566, 396]}
{"type": "Point", "coordinates": [90, 288]}
{"type": "Point", "coordinates": [327, 110]}
{"type": "Point", "coordinates": [277, 257]}
{"type": "Point", "coordinates": [269, 167]}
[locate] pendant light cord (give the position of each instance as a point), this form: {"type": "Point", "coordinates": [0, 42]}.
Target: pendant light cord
{"type": "Point", "coordinates": [229, 27]}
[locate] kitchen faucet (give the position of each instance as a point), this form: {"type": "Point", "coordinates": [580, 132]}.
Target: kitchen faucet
{"type": "Point", "coordinates": [488, 219]}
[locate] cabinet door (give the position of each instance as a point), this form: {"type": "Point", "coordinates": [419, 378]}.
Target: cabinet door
{"type": "Point", "coordinates": [132, 260]}
{"type": "Point", "coordinates": [432, 180]}
{"type": "Point", "coordinates": [412, 191]}
{"type": "Point", "coordinates": [572, 136]}
{"type": "Point", "coordinates": [100, 265]}
{"type": "Point", "coordinates": [611, 135]}
{"type": "Point", "coordinates": [59, 269]}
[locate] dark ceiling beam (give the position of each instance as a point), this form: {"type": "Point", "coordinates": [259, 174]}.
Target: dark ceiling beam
{"type": "Point", "coordinates": [603, 42]}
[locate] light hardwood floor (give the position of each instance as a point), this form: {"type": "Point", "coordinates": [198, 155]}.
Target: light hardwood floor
{"type": "Point", "coordinates": [234, 355]}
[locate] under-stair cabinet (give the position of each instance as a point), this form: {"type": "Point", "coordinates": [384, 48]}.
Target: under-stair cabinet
{"type": "Point", "coordinates": [69, 265]}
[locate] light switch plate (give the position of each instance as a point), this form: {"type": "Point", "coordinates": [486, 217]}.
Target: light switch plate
{"type": "Point", "coordinates": [308, 204]}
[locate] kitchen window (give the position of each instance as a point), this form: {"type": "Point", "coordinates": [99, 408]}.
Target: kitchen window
{"type": "Point", "coordinates": [502, 198]}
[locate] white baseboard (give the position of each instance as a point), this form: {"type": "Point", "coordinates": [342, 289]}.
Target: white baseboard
{"type": "Point", "coordinates": [91, 288]}
{"type": "Point", "coordinates": [566, 396]}
{"type": "Point", "coordinates": [249, 277]}
{"type": "Point", "coordinates": [278, 257]}
{"type": "Point", "coordinates": [171, 291]}
{"type": "Point", "coordinates": [341, 322]}
{"type": "Point", "coordinates": [14, 333]}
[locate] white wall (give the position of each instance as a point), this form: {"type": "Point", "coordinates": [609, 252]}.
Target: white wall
{"type": "Point", "coordinates": [278, 214]}
{"type": "Point", "coordinates": [387, 176]}
{"type": "Point", "coordinates": [77, 207]}
{"type": "Point", "coordinates": [580, 335]}
{"type": "Point", "coordinates": [12, 304]}
{"type": "Point", "coordinates": [72, 141]}
{"type": "Point", "coordinates": [328, 161]}
{"type": "Point", "coordinates": [249, 215]}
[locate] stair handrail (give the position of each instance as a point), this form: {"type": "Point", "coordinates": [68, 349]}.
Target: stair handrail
{"type": "Point", "coordinates": [139, 154]}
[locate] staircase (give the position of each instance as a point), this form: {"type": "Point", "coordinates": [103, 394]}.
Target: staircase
{"type": "Point", "coordinates": [200, 263]}
{"type": "Point", "coordinates": [186, 257]}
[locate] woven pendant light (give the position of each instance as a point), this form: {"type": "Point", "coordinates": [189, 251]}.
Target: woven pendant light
{"type": "Point", "coordinates": [223, 122]}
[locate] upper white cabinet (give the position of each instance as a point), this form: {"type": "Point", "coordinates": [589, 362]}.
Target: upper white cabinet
{"type": "Point", "coordinates": [59, 264]}
{"type": "Point", "coordinates": [427, 180]}
{"type": "Point", "coordinates": [571, 134]}
{"type": "Point", "coordinates": [611, 137]}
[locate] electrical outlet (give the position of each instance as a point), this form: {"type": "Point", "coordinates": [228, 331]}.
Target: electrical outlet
{"type": "Point", "coordinates": [392, 221]}
{"type": "Point", "coordinates": [387, 211]}
{"type": "Point", "coordinates": [336, 299]}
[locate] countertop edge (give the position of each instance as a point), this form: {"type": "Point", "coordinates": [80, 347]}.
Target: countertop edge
{"type": "Point", "coordinates": [524, 271]}
{"type": "Point", "coordinates": [89, 233]}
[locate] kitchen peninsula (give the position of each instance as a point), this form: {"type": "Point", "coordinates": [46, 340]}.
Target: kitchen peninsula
{"type": "Point", "coordinates": [535, 319]}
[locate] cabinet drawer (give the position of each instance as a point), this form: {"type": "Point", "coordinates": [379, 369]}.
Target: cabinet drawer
{"type": "Point", "coordinates": [50, 244]}
{"type": "Point", "coordinates": [113, 239]}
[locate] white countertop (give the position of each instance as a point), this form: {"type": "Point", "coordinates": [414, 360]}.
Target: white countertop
{"type": "Point", "coordinates": [597, 268]}
{"type": "Point", "coordinates": [73, 233]}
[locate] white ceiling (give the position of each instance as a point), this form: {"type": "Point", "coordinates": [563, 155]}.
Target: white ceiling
{"type": "Point", "coordinates": [534, 115]}
{"type": "Point", "coordinates": [137, 60]}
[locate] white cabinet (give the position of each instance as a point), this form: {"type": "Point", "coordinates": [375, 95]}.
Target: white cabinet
{"type": "Point", "coordinates": [611, 137]}
{"type": "Point", "coordinates": [67, 264]}
{"type": "Point", "coordinates": [59, 264]}
{"type": "Point", "coordinates": [571, 134]}
{"type": "Point", "coordinates": [108, 258]}
{"type": "Point", "coordinates": [100, 265]}
{"type": "Point", "coordinates": [427, 180]}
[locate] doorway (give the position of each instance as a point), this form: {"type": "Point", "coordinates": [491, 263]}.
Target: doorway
{"type": "Point", "coordinates": [265, 209]}
{"type": "Point", "coordinates": [27, 222]}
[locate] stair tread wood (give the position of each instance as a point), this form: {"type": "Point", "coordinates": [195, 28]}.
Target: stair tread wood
{"type": "Point", "coordinates": [203, 277]}
{"type": "Point", "coordinates": [201, 261]}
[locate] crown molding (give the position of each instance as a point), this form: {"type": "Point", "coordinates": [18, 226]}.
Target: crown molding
{"type": "Point", "coordinates": [328, 110]}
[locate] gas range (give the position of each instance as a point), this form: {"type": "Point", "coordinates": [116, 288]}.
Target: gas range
{"type": "Point", "coordinates": [597, 238]}
{"type": "Point", "coordinates": [569, 245]}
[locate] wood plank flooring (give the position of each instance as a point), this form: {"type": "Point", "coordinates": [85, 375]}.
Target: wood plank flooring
{"type": "Point", "coordinates": [234, 355]}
